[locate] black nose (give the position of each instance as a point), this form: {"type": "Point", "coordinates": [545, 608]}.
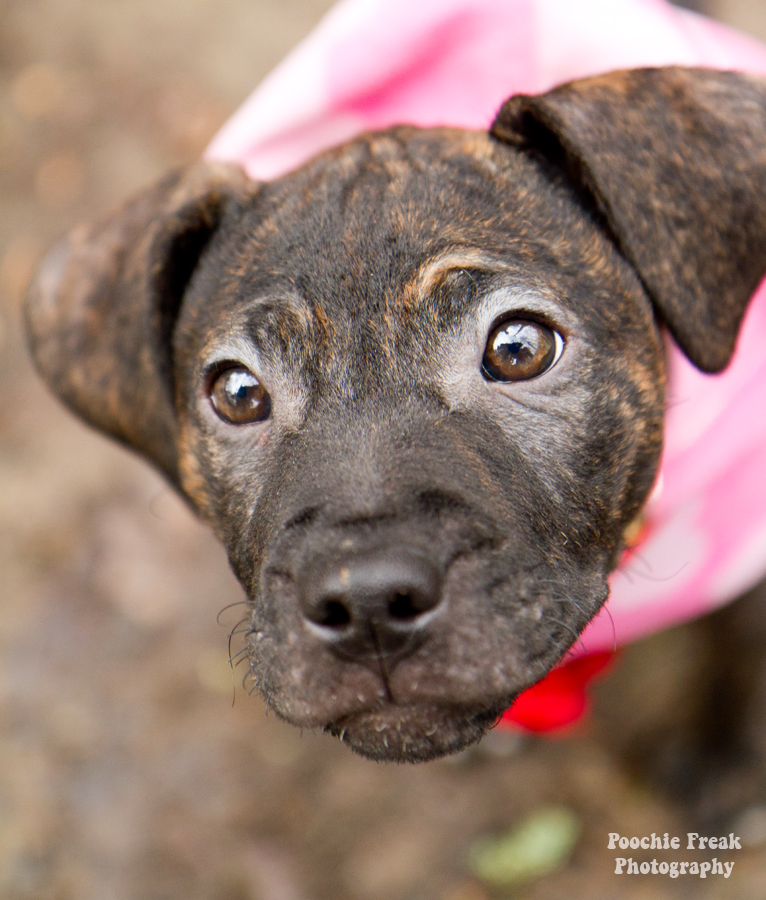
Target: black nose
{"type": "Point", "coordinates": [371, 602]}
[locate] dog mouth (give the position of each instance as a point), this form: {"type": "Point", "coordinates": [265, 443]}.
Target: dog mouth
{"type": "Point", "coordinates": [417, 712]}
{"type": "Point", "coordinates": [413, 733]}
{"type": "Point", "coordinates": [369, 650]}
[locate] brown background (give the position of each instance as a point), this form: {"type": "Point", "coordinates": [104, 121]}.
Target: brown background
{"type": "Point", "coordinates": [125, 771]}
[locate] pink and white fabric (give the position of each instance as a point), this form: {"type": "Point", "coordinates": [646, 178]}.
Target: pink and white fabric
{"type": "Point", "coordinates": [373, 63]}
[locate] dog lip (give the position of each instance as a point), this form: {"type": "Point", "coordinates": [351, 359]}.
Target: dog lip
{"type": "Point", "coordinates": [413, 732]}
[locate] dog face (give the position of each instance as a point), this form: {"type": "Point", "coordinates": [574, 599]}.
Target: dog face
{"type": "Point", "coordinates": [461, 503]}
{"type": "Point", "coordinates": [416, 386]}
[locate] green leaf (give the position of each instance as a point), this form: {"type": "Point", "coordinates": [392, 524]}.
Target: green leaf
{"type": "Point", "coordinates": [541, 844]}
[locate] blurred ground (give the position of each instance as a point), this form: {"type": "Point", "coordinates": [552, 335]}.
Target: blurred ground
{"type": "Point", "coordinates": [125, 771]}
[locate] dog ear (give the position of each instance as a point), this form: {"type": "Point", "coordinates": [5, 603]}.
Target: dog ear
{"type": "Point", "coordinates": [675, 162]}
{"type": "Point", "coordinates": [101, 311]}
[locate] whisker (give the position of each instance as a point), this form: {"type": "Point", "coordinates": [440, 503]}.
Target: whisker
{"type": "Point", "coordinates": [571, 630]}
{"type": "Point", "coordinates": [238, 629]}
{"type": "Point", "coordinates": [231, 606]}
{"type": "Point", "coordinates": [238, 657]}
{"type": "Point", "coordinates": [564, 598]}
{"type": "Point", "coordinates": [614, 630]}
{"type": "Point", "coordinates": [627, 569]}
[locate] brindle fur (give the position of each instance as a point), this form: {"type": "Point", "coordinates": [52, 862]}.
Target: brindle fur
{"type": "Point", "coordinates": [360, 288]}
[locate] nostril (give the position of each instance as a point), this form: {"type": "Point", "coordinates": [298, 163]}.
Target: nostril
{"type": "Point", "coordinates": [371, 600]}
{"type": "Point", "coordinates": [331, 613]}
{"type": "Point", "coordinates": [408, 605]}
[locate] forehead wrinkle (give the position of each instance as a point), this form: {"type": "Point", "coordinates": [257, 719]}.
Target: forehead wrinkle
{"type": "Point", "coordinates": [395, 327]}
{"type": "Point", "coordinates": [277, 327]}
{"type": "Point", "coordinates": [432, 274]}
{"type": "Point", "coordinates": [323, 333]}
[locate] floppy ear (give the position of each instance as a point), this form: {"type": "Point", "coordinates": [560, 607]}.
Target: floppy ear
{"type": "Point", "coordinates": [675, 160]}
{"type": "Point", "coordinates": [101, 311]}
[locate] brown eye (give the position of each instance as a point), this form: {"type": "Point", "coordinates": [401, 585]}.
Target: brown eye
{"type": "Point", "coordinates": [238, 397]}
{"type": "Point", "coordinates": [518, 349]}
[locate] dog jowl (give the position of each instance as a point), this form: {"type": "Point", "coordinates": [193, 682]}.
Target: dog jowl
{"type": "Point", "coordinates": [416, 387]}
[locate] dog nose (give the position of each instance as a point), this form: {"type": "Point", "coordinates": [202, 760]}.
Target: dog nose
{"type": "Point", "coordinates": [372, 602]}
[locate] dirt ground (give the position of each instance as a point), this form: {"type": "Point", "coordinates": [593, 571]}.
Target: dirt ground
{"type": "Point", "coordinates": [125, 771]}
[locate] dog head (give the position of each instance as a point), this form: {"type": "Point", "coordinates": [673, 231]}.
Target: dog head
{"type": "Point", "coordinates": [416, 386]}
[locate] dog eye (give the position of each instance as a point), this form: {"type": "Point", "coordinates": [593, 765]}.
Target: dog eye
{"type": "Point", "coordinates": [238, 397]}
{"type": "Point", "coordinates": [518, 349]}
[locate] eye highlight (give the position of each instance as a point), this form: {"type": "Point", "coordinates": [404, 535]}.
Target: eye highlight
{"type": "Point", "coordinates": [519, 349]}
{"type": "Point", "coordinates": [238, 397]}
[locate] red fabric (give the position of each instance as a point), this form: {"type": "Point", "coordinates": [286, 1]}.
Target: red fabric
{"type": "Point", "coordinates": [561, 698]}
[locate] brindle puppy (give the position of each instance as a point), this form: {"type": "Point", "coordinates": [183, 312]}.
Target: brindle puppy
{"type": "Point", "coordinates": [416, 387]}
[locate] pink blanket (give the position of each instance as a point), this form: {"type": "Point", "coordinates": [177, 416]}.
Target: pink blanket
{"type": "Point", "coordinates": [373, 63]}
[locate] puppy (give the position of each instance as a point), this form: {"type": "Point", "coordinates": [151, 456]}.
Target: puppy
{"type": "Point", "coordinates": [416, 387]}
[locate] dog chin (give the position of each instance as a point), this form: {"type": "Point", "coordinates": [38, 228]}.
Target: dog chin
{"type": "Point", "coordinates": [411, 734]}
